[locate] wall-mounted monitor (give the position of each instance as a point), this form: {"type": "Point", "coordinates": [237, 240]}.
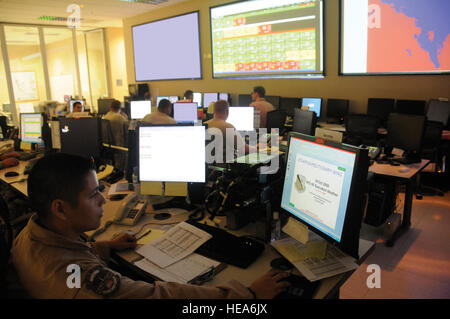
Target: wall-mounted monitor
{"type": "Point", "coordinates": [267, 39]}
{"type": "Point", "coordinates": [168, 49]}
{"type": "Point", "coordinates": [394, 37]}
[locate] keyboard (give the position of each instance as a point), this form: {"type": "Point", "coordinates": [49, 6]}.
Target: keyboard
{"type": "Point", "coordinates": [29, 166]}
{"type": "Point", "coordinates": [228, 248]}
{"type": "Point", "coordinates": [25, 156]}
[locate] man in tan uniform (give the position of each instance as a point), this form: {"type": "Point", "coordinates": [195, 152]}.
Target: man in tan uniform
{"type": "Point", "coordinates": [162, 115]}
{"type": "Point", "coordinates": [64, 191]}
{"type": "Point", "coordinates": [258, 96]}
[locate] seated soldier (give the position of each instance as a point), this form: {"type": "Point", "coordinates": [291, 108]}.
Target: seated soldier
{"type": "Point", "coordinates": [64, 191]}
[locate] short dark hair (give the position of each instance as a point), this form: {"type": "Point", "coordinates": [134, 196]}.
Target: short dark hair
{"type": "Point", "coordinates": [164, 104]}
{"type": "Point", "coordinates": [115, 105]}
{"type": "Point", "coordinates": [188, 93]}
{"type": "Point", "coordinates": [260, 90]}
{"type": "Point", "coordinates": [57, 176]}
{"type": "Point", "coordinates": [76, 103]}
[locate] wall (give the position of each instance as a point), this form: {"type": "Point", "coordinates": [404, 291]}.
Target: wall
{"type": "Point", "coordinates": [116, 54]}
{"type": "Point", "coordinates": [356, 88]}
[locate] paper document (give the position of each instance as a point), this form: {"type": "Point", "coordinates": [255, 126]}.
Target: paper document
{"type": "Point", "coordinates": [177, 243]}
{"type": "Point", "coordinates": [119, 188]}
{"type": "Point", "coordinates": [182, 271]}
{"type": "Point", "coordinates": [305, 258]}
{"type": "Point", "coordinates": [151, 236]}
{"type": "Point", "coordinates": [296, 230]}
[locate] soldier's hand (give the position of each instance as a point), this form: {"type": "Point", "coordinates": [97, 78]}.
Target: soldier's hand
{"type": "Point", "coordinates": [8, 155]}
{"type": "Point", "coordinates": [269, 285]}
{"type": "Point", "coordinates": [123, 241]}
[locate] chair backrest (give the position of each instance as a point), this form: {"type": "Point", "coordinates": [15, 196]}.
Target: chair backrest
{"type": "Point", "coordinates": [439, 111]}
{"type": "Point", "coordinates": [4, 126]}
{"type": "Point", "coordinates": [380, 108]}
{"type": "Point", "coordinates": [107, 135]}
{"type": "Point", "coordinates": [304, 122]}
{"type": "Point", "coordinates": [289, 104]}
{"type": "Point", "coordinates": [276, 119]}
{"type": "Point", "coordinates": [432, 135]}
{"type": "Point", "coordinates": [363, 127]}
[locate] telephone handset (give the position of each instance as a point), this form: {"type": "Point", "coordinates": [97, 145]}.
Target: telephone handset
{"type": "Point", "coordinates": [130, 210]}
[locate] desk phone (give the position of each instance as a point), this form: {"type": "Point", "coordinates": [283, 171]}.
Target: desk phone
{"type": "Point", "coordinates": [130, 210]}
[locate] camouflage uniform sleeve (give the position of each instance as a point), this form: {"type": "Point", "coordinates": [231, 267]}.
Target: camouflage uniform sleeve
{"type": "Point", "coordinates": [101, 282]}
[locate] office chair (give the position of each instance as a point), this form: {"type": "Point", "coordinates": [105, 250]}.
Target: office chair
{"type": "Point", "coordinates": [431, 150]}
{"type": "Point", "coordinates": [305, 122]}
{"type": "Point", "coordinates": [361, 129]}
{"type": "Point", "coordinates": [4, 126]}
{"type": "Point", "coordinates": [380, 108]}
{"type": "Point", "coordinates": [289, 104]}
{"type": "Point", "coordinates": [276, 119]}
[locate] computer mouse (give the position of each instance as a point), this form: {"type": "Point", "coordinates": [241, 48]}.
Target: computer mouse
{"type": "Point", "coordinates": [162, 216]}
{"type": "Point", "coordinates": [281, 264]}
{"type": "Point", "coordinates": [300, 288]}
{"type": "Point", "coordinates": [117, 197]}
{"type": "Point", "coordinates": [404, 169]}
{"type": "Point", "coordinates": [11, 174]}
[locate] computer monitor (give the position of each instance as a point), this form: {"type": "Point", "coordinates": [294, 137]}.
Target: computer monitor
{"type": "Point", "coordinates": [241, 117]}
{"type": "Point", "coordinates": [104, 105]}
{"type": "Point", "coordinates": [83, 102]}
{"type": "Point", "coordinates": [274, 100]}
{"type": "Point", "coordinates": [314, 104]}
{"type": "Point", "coordinates": [81, 136]}
{"type": "Point", "coordinates": [197, 99]}
{"type": "Point", "coordinates": [31, 127]}
{"type": "Point", "coordinates": [289, 104]}
{"type": "Point", "coordinates": [276, 119]}
{"type": "Point", "coordinates": [139, 109]}
{"type": "Point", "coordinates": [185, 112]}
{"type": "Point", "coordinates": [324, 188]}
{"type": "Point", "coordinates": [208, 98]}
{"type": "Point", "coordinates": [381, 108]}
{"type": "Point", "coordinates": [224, 96]}
{"type": "Point", "coordinates": [415, 107]}
{"type": "Point", "coordinates": [171, 153]}
{"type": "Point", "coordinates": [304, 122]}
{"type": "Point", "coordinates": [159, 98]}
{"type": "Point", "coordinates": [336, 110]}
{"type": "Point", "coordinates": [439, 111]}
{"type": "Point", "coordinates": [173, 99]}
{"type": "Point", "coordinates": [245, 99]}
{"type": "Point", "coordinates": [405, 131]}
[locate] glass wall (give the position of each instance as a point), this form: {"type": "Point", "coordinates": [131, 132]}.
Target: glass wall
{"type": "Point", "coordinates": [25, 62]}
{"type": "Point", "coordinates": [5, 106]}
{"type": "Point", "coordinates": [61, 63]}
{"type": "Point", "coordinates": [96, 65]}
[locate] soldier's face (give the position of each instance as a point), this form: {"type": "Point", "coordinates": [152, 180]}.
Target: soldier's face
{"type": "Point", "coordinates": [89, 211]}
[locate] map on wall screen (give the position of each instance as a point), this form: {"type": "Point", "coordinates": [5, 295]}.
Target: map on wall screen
{"type": "Point", "coordinates": [408, 36]}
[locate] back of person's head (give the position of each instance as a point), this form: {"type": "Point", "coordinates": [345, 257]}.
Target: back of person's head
{"type": "Point", "coordinates": [189, 95]}
{"type": "Point", "coordinates": [221, 107]}
{"type": "Point", "coordinates": [115, 106]}
{"type": "Point", "coordinates": [165, 106]}
{"type": "Point", "coordinates": [260, 90]}
{"type": "Point", "coordinates": [57, 176]}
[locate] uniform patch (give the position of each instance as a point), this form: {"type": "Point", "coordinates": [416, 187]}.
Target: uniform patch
{"type": "Point", "coordinates": [102, 281]}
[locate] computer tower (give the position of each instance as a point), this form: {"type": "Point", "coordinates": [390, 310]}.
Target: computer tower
{"type": "Point", "coordinates": [381, 204]}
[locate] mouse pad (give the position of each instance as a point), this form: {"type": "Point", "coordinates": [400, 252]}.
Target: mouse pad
{"type": "Point", "coordinates": [177, 215]}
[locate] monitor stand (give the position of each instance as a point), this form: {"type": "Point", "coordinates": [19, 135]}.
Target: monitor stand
{"type": "Point", "coordinates": [176, 202]}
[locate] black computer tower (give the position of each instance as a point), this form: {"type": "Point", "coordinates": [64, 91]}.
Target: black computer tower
{"type": "Point", "coordinates": [381, 204]}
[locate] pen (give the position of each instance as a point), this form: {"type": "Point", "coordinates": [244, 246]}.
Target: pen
{"type": "Point", "coordinates": [144, 234]}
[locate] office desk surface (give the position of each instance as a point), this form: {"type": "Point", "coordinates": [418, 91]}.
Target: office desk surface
{"type": "Point", "coordinates": [394, 171]}
{"type": "Point", "coordinates": [19, 186]}
{"type": "Point", "coordinates": [246, 276]}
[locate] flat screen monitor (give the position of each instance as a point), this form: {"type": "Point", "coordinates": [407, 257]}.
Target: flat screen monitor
{"type": "Point", "coordinates": [208, 98]}
{"type": "Point", "coordinates": [81, 136]}
{"type": "Point", "coordinates": [324, 187]}
{"type": "Point", "coordinates": [159, 98]}
{"type": "Point", "coordinates": [415, 107]}
{"type": "Point", "coordinates": [31, 127]}
{"type": "Point", "coordinates": [223, 96]}
{"type": "Point", "coordinates": [337, 109]}
{"type": "Point", "coordinates": [173, 99]}
{"type": "Point", "coordinates": [104, 105]}
{"type": "Point", "coordinates": [139, 109]}
{"type": "Point", "coordinates": [438, 111]}
{"type": "Point", "coordinates": [274, 100]}
{"type": "Point", "coordinates": [405, 131]}
{"type": "Point", "coordinates": [181, 60]}
{"type": "Point", "coordinates": [245, 99]}
{"type": "Point", "coordinates": [241, 117]}
{"type": "Point", "coordinates": [267, 39]}
{"type": "Point", "coordinates": [314, 104]}
{"type": "Point", "coordinates": [197, 99]}
{"type": "Point", "coordinates": [172, 153]}
{"type": "Point", "coordinates": [185, 112]}
{"type": "Point", "coordinates": [394, 37]}
{"type": "Point", "coordinates": [83, 102]}
{"type": "Point", "coordinates": [381, 108]}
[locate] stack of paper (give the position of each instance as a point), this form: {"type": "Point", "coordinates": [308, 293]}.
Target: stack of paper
{"type": "Point", "coordinates": [171, 258]}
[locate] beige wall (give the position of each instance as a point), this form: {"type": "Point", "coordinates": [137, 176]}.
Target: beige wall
{"type": "Point", "coordinates": [356, 88]}
{"type": "Point", "coordinates": [117, 62]}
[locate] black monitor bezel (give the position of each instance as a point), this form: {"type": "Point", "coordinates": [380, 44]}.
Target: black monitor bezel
{"type": "Point", "coordinates": [350, 235]}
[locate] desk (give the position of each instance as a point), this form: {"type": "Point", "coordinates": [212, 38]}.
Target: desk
{"type": "Point", "coordinates": [328, 288]}
{"type": "Point", "coordinates": [19, 186]}
{"type": "Point", "coordinates": [408, 179]}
